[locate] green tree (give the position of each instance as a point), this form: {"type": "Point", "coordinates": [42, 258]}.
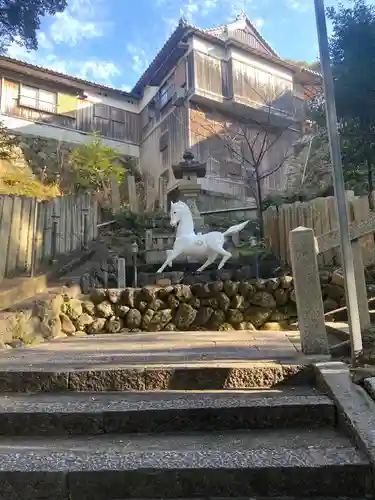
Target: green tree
{"type": "Point", "coordinates": [94, 165]}
{"type": "Point", "coordinates": [7, 143]}
{"type": "Point", "coordinates": [20, 20]}
{"type": "Point", "coordinates": [352, 46]}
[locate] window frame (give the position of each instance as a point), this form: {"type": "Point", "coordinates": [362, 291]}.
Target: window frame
{"type": "Point", "coordinates": [37, 99]}
{"type": "Point", "coordinates": [111, 119]}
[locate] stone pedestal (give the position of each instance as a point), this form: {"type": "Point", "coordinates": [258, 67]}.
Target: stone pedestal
{"type": "Point", "coordinates": [189, 193]}
{"type": "Point", "coordinates": [188, 171]}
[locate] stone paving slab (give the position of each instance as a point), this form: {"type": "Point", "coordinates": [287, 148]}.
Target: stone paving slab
{"type": "Point", "coordinates": [237, 464]}
{"type": "Point", "coordinates": [172, 348]}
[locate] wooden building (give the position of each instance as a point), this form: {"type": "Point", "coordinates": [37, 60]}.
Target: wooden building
{"type": "Point", "coordinates": [200, 88]}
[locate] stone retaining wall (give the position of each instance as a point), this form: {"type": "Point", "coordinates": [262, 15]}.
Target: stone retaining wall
{"type": "Point", "coordinates": [219, 305]}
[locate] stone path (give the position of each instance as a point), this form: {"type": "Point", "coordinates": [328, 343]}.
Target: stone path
{"type": "Point", "coordinates": [209, 348]}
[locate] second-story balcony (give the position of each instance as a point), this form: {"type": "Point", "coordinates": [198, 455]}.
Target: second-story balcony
{"type": "Point", "coordinates": [244, 90]}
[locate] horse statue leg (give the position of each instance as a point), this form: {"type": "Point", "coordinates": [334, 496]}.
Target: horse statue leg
{"type": "Point", "coordinates": [210, 259]}
{"type": "Point", "coordinates": [215, 244]}
{"type": "Point", "coordinates": [171, 255]}
{"type": "Point", "coordinates": [226, 256]}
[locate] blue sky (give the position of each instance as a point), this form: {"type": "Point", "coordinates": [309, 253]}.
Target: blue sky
{"type": "Point", "coordinates": [112, 41]}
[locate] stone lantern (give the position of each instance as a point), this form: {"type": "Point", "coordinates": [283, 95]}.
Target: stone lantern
{"type": "Point", "coordinates": [188, 171]}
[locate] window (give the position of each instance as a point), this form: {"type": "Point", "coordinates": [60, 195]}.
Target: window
{"type": "Point", "coordinates": [164, 97]}
{"type": "Point", "coordinates": [165, 93]}
{"type": "Point", "coordinates": [116, 123]}
{"type": "Point", "coordinates": [32, 97]}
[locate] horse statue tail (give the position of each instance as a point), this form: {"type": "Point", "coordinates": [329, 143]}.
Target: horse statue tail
{"type": "Point", "coordinates": [235, 229]}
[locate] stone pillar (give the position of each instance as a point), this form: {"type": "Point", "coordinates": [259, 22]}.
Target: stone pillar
{"type": "Point", "coordinates": [162, 194]}
{"type": "Point", "coordinates": [360, 281]}
{"type": "Point", "coordinates": [148, 240]}
{"type": "Point", "coordinates": [121, 273]}
{"type": "Point", "coordinates": [132, 194]}
{"type": "Point", "coordinates": [115, 195]}
{"type": "Point", "coordinates": [308, 292]}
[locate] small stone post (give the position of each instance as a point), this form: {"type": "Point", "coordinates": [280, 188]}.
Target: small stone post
{"type": "Point", "coordinates": [104, 268]}
{"type": "Point", "coordinates": [360, 281]}
{"type": "Point", "coordinates": [148, 240]}
{"type": "Point", "coordinates": [132, 193]}
{"type": "Point", "coordinates": [162, 194]}
{"type": "Point", "coordinates": [308, 292]}
{"type": "Point", "coordinates": [115, 195]}
{"type": "Point", "coordinates": [121, 273]}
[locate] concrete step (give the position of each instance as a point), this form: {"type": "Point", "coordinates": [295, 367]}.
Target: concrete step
{"type": "Point", "coordinates": [235, 464]}
{"type": "Point", "coordinates": [104, 413]}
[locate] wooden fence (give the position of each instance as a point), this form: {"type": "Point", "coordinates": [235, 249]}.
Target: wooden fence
{"type": "Point", "coordinates": [319, 215]}
{"type": "Point", "coordinates": [33, 232]}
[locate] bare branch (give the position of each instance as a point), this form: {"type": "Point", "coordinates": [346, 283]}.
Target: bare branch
{"type": "Point", "coordinates": [280, 165]}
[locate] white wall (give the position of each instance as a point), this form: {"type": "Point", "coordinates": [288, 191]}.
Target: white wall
{"type": "Point", "coordinates": [208, 48]}
{"type": "Point", "coordinates": [261, 64]}
{"type": "Point", "coordinates": [149, 93]}
{"type": "Point", "coordinates": [29, 127]}
{"type": "Point", "coordinates": [212, 49]}
{"type": "Point", "coordinates": [119, 101]}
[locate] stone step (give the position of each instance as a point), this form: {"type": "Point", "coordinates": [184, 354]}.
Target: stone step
{"type": "Point", "coordinates": [235, 464]}
{"type": "Point", "coordinates": [105, 374]}
{"type": "Point", "coordinates": [105, 413]}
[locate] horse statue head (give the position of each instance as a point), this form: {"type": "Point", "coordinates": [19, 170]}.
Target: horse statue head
{"type": "Point", "coordinates": [179, 210]}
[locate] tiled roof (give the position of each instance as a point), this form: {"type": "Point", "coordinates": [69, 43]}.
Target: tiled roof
{"type": "Point", "coordinates": [170, 44]}
{"type": "Point", "coordinates": [80, 81]}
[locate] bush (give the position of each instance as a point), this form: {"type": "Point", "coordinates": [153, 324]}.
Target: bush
{"type": "Point", "coordinates": [21, 184]}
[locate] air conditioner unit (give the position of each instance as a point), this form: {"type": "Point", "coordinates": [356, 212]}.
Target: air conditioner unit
{"type": "Point", "coordinates": [178, 98]}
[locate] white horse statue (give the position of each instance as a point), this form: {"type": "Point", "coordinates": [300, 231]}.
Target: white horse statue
{"type": "Point", "coordinates": [198, 245]}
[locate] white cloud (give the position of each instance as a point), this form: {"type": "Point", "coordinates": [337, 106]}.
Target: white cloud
{"type": "Point", "coordinates": [191, 10]}
{"type": "Point", "coordinates": [51, 61]}
{"type": "Point", "coordinates": [19, 52]}
{"type": "Point", "coordinates": [82, 20]}
{"type": "Point", "coordinates": [85, 8]}
{"type": "Point", "coordinates": [236, 6]}
{"type": "Point", "coordinates": [258, 23]}
{"type": "Point", "coordinates": [299, 5]}
{"type": "Point", "coordinates": [171, 24]}
{"type": "Point", "coordinates": [196, 11]}
{"type": "Point", "coordinates": [138, 57]}
{"type": "Point", "coordinates": [70, 30]}
{"type": "Point", "coordinates": [44, 42]}
{"type": "Point", "coordinates": [188, 10]}
{"type": "Point", "coordinates": [93, 70]}
{"type": "Point", "coordinates": [98, 71]}
{"type": "Point", "coordinates": [126, 88]}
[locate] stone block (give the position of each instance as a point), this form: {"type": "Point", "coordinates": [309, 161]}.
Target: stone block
{"type": "Point", "coordinates": [308, 292]}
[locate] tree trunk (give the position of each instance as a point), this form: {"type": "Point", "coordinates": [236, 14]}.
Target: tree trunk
{"type": "Point", "coordinates": [370, 182]}
{"type": "Point", "coordinates": [260, 208]}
